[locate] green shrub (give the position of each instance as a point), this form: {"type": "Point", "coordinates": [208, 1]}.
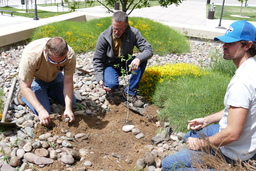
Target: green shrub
{"type": "Point", "coordinates": [82, 36]}
{"type": "Point", "coordinates": [190, 97]}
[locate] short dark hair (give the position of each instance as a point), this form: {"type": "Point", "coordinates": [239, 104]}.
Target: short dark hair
{"type": "Point", "coordinates": [120, 16]}
{"type": "Point", "coordinates": [57, 46]}
{"type": "Point", "coordinates": [252, 50]}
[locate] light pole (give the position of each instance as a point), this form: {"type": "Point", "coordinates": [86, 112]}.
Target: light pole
{"type": "Point", "coordinates": [221, 15]}
{"type": "Point", "coordinates": [36, 17]}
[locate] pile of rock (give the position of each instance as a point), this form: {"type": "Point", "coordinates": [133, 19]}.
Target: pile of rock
{"type": "Point", "coordinates": [18, 144]}
{"type": "Point", "coordinates": [164, 143]}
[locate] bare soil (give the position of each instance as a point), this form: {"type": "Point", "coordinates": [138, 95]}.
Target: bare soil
{"type": "Point", "coordinates": [110, 148]}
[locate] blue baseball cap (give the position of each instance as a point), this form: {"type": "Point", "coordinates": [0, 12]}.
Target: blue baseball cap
{"type": "Point", "coordinates": [239, 30]}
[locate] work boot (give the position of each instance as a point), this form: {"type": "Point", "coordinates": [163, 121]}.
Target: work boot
{"type": "Point", "coordinates": [135, 100]}
{"type": "Point", "coordinates": [112, 97]}
{"type": "Point", "coordinates": [17, 99]}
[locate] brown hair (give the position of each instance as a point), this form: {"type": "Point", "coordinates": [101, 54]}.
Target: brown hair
{"type": "Point", "coordinates": [252, 50]}
{"type": "Point", "coordinates": [57, 46]}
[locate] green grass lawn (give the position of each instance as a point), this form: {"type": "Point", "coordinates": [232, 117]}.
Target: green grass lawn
{"type": "Point", "coordinates": [229, 13]}
{"type": "Point", "coordinates": [30, 12]}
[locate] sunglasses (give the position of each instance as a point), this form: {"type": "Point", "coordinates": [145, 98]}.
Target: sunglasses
{"type": "Point", "coordinates": [120, 30]}
{"type": "Point", "coordinates": [56, 63]}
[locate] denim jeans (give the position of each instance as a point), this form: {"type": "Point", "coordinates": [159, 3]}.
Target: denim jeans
{"type": "Point", "coordinates": [205, 132]}
{"type": "Point", "coordinates": [111, 75]}
{"type": "Point", "coordinates": [45, 90]}
{"type": "Point", "coordinates": [183, 159]}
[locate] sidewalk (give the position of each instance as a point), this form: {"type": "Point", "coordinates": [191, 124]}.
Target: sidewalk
{"type": "Point", "coordinates": [189, 18]}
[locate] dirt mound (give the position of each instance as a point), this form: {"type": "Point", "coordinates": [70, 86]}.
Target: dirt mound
{"type": "Point", "coordinates": [109, 148]}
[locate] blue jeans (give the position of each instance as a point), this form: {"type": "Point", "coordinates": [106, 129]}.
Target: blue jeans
{"type": "Point", "coordinates": [205, 132]}
{"type": "Point", "coordinates": [112, 73]}
{"type": "Point", "coordinates": [45, 90]}
{"type": "Point", "coordinates": [183, 159]}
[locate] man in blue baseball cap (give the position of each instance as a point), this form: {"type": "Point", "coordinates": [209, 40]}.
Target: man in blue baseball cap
{"type": "Point", "coordinates": [234, 137]}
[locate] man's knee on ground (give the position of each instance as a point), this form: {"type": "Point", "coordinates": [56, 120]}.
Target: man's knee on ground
{"type": "Point", "coordinates": [112, 85]}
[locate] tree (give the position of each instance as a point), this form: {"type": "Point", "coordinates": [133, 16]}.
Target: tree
{"type": "Point", "coordinates": [242, 1]}
{"type": "Point", "coordinates": [132, 4]}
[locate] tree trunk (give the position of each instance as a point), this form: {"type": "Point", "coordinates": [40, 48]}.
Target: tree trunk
{"type": "Point", "coordinates": [241, 8]}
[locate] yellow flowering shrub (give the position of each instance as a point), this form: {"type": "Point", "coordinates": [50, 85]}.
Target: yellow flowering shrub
{"type": "Point", "coordinates": [154, 75]}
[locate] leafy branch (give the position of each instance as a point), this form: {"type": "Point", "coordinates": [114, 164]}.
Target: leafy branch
{"type": "Point", "coordinates": [124, 72]}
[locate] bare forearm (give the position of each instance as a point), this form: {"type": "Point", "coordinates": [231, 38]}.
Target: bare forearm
{"type": "Point", "coordinates": [234, 129]}
{"type": "Point", "coordinates": [31, 98]}
{"type": "Point", "coordinates": [216, 117]}
{"type": "Point", "coordinates": [221, 138]}
{"type": "Point", "coordinates": [68, 94]}
{"type": "Point", "coordinates": [235, 126]}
